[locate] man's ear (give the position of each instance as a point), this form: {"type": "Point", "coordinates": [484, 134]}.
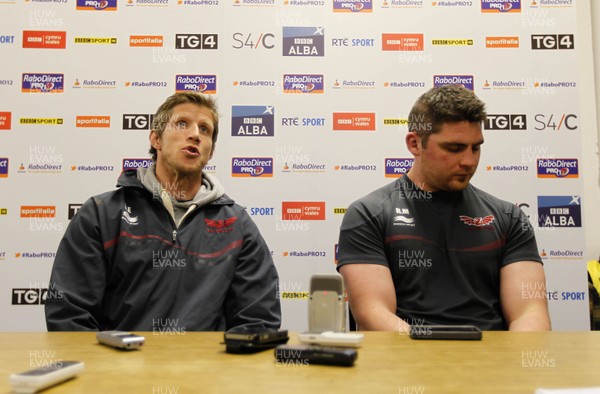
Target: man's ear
{"type": "Point", "coordinates": [413, 143]}
{"type": "Point", "coordinates": [154, 139]}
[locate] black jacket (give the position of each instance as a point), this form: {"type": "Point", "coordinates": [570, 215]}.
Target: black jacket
{"type": "Point", "coordinates": [123, 265]}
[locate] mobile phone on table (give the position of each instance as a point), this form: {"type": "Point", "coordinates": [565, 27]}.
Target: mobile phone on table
{"type": "Point", "coordinates": [253, 341]}
{"type": "Point", "coordinates": [40, 378]}
{"type": "Point", "coordinates": [330, 338]}
{"type": "Point", "coordinates": [304, 354]}
{"type": "Point", "coordinates": [120, 339]}
{"type": "Point", "coordinates": [461, 332]}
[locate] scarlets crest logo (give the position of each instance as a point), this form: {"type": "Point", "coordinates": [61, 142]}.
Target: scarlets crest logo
{"type": "Point", "coordinates": [220, 225]}
{"type": "Point", "coordinates": [479, 222]}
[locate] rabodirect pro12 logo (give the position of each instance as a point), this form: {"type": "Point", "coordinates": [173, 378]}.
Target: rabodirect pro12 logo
{"type": "Point", "coordinates": [252, 167]}
{"type": "Point", "coordinates": [559, 211]}
{"type": "Point", "coordinates": [303, 41]}
{"type": "Point", "coordinates": [363, 6]}
{"type": "Point", "coordinates": [133, 164]}
{"type": "Point", "coordinates": [501, 6]}
{"type": "Point", "coordinates": [97, 5]}
{"type": "Point", "coordinates": [557, 168]}
{"type": "Point", "coordinates": [206, 84]}
{"type": "Point", "coordinates": [303, 83]}
{"type": "Point", "coordinates": [42, 83]}
{"type": "Point", "coordinates": [252, 121]}
{"type": "Point", "coordinates": [464, 80]}
{"type": "Point", "coordinates": [396, 167]}
{"type": "Point", "coordinates": [3, 167]}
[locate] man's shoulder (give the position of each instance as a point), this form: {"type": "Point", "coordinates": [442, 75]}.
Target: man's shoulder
{"type": "Point", "coordinates": [479, 196]}
{"type": "Point", "coordinates": [378, 195]}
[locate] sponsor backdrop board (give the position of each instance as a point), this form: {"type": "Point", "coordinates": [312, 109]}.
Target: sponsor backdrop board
{"type": "Point", "coordinates": [314, 97]}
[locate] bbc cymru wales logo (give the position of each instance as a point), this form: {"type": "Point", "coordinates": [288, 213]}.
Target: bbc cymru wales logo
{"type": "Point", "coordinates": [303, 41]}
{"type": "Point", "coordinates": [252, 167]}
{"type": "Point", "coordinates": [44, 39]}
{"type": "Point", "coordinates": [302, 210]}
{"type": "Point", "coordinates": [402, 42]}
{"type": "Point", "coordinates": [501, 6]}
{"type": "Point", "coordinates": [252, 121]}
{"type": "Point", "coordinates": [97, 5]}
{"type": "Point", "coordinates": [557, 168]}
{"type": "Point", "coordinates": [358, 121]}
{"type": "Point", "coordinates": [5, 120]}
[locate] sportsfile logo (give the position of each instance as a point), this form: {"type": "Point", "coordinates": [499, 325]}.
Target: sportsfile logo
{"type": "Point", "coordinates": [501, 6]}
{"type": "Point", "coordinates": [42, 83]}
{"type": "Point", "coordinates": [505, 122]}
{"type": "Point", "coordinates": [97, 5]}
{"type": "Point", "coordinates": [137, 121]}
{"type": "Point", "coordinates": [363, 6]}
{"type": "Point", "coordinates": [552, 41]}
{"type": "Point", "coordinates": [44, 39]}
{"type": "Point", "coordinates": [3, 167]}
{"type": "Point", "coordinates": [5, 120]}
{"type": "Point", "coordinates": [252, 121]}
{"type": "Point", "coordinates": [396, 167]}
{"type": "Point", "coordinates": [206, 84]}
{"type": "Point", "coordinates": [196, 41]}
{"type": "Point", "coordinates": [303, 41]}
{"type": "Point", "coordinates": [402, 42]}
{"type": "Point", "coordinates": [252, 167]}
{"type": "Point", "coordinates": [559, 211]}
{"type": "Point", "coordinates": [502, 42]}
{"type": "Point", "coordinates": [464, 80]}
{"type": "Point", "coordinates": [557, 168]}
{"type": "Point", "coordinates": [132, 164]}
{"type": "Point", "coordinates": [97, 121]}
{"type": "Point", "coordinates": [302, 210]}
{"type": "Point", "coordinates": [146, 41]}
{"type": "Point", "coordinates": [303, 83]}
{"type": "Point", "coordinates": [38, 211]}
{"type": "Point", "coordinates": [357, 121]}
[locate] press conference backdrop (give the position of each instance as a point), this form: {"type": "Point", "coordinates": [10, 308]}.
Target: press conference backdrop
{"type": "Point", "coordinates": [314, 97]}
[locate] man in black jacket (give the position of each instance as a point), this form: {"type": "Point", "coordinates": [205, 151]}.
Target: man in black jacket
{"type": "Point", "coordinates": [167, 250]}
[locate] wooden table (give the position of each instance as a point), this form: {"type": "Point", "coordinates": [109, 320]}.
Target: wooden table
{"type": "Point", "coordinates": [189, 362]}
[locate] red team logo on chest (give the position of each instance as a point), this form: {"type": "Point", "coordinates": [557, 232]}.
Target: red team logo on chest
{"type": "Point", "coordinates": [220, 226]}
{"type": "Point", "coordinates": [479, 222]}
